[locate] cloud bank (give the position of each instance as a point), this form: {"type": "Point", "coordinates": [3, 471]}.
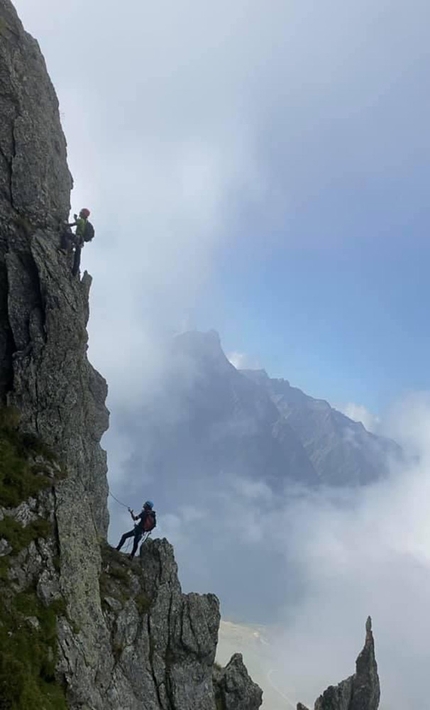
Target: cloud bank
{"type": "Point", "coordinates": [359, 413]}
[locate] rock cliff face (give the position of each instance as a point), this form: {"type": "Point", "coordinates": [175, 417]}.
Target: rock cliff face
{"type": "Point", "coordinates": [234, 688]}
{"type": "Point", "coordinates": [359, 692]}
{"type": "Point", "coordinates": [80, 626]}
{"type": "Point", "coordinates": [342, 451]}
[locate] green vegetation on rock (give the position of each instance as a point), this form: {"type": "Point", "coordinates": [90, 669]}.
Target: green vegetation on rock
{"type": "Point", "coordinates": [116, 581]}
{"type": "Point", "coordinates": [28, 654]}
{"type": "Point", "coordinates": [20, 537]}
{"type": "Point", "coordinates": [21, 476]}
{"type": "Point", "coordinates": [28, 628]}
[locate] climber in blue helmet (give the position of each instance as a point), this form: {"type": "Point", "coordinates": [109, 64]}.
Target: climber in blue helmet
{"type": "Point", "coordinates": [147, 522]}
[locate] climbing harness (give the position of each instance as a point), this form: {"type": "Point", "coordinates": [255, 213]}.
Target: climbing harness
{"type": "Point", "coordinates": [144, 536]}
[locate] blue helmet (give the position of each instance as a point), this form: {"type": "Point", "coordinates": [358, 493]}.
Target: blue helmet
{"type": "Point", "coordinates": [149, 504]}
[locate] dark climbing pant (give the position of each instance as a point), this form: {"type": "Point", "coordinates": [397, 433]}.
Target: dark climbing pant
{"type": "Point", "coordinates": [65, 241]}
{"type": "Point", "coordinates": [77, 260]}
{"type": "Point", "coordinates": [137, 534]}
{"type": "Point", "coordinates": [68, 240]}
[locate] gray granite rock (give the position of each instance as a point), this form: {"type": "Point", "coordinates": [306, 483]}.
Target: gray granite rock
{"type": "Point", "coordinates": [234, 688]}
{"type": "Point", "coordinates": [360, 691]}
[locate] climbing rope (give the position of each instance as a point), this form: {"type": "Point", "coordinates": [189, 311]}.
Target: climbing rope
{"type": "Point", "coordinates": [118, 501]}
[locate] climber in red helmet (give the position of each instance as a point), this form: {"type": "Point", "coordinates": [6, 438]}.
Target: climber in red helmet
{"type": "Point", "coordinates": [84, 233]}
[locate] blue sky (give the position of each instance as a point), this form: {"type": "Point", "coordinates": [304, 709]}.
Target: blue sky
{"type": "Point", "coordinates": [263, 173]}
{"type": "Point", "coordinates": [337, 301]}
{"type": "Point", "coordinates": [345, 323]}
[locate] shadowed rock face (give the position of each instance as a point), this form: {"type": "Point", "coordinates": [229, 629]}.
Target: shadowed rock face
{"type": "Point", "coordinates": [34, 179]}
{"type": "Point", "coordinates": [235, 689]}
{"type": "Point", "coordinates": [44, 370]}
{"type": "Point", "coordinates": [163, 641]}
{"type": "Point", "coordinates": [359, 692]}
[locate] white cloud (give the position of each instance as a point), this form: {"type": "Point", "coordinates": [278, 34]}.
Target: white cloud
{"type": "Point", "coordinates": [369, 555]}
{"type": "Point", "coordinates": [359, 413]}
{"type": "Point", "coordinates": [241, 361]}
{"type": "Point", "coordinates": [255, 490]}
{"type": "Point", "coordinates": [316, 564]}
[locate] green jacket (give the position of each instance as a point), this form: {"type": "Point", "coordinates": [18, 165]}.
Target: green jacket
{"type": "Point", "coordinates": [81, 223]}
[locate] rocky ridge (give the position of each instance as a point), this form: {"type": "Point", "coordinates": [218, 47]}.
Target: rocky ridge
{"type": "Point", "coordinates": [341, 450]}
{"type": "Point", "coordinates": [234, 688]}
{"type": "Point", "coordinates": [360, 691]}
{"type": "Point", "coordinates": [80, 627]}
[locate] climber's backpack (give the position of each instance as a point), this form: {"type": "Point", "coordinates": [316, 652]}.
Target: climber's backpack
{"type": "Point", "coordinates": [89, 232]}
{"type": "Point", "coordinates": [149, 522]}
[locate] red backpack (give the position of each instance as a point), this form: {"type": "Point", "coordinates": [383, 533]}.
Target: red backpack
{"type": "Point", "coordinates": [150, 521]}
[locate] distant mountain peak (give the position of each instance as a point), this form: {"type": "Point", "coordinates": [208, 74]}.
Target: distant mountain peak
{"type": "Point", "coordinates": [258, 375]}
{"type": "Point", "coordinates": [341, 450]}
{"type": "Point", "coordinates": [198, 338]}
{"type": "Point", "coordinates": [271, 429]}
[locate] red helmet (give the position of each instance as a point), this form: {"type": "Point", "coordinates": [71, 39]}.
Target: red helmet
{"type": "Point", "coordinates": [85, 213]}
